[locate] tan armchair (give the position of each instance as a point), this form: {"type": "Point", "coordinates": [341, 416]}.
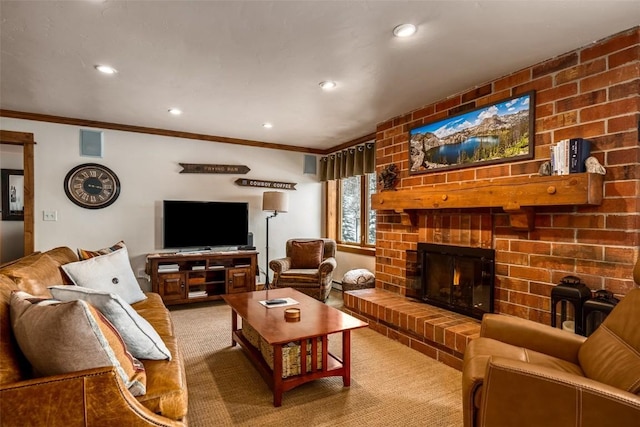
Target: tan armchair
{"type": "Point", "coordinates": [522, 373]}
{"type": "Point", "coordinates": [307, 267]}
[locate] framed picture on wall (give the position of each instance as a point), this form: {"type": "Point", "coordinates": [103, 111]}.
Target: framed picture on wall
{"type": "Point", "coordinates": [495, 133]}
{"type": "Point", "coordinates": [12, 194]}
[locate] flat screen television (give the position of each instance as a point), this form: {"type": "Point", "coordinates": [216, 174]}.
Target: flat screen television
{"type": "Point", "coordinates": [203, 224]}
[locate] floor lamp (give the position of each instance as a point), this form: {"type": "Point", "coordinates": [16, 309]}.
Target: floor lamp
{"type": "Point", "coordinates": [276, 202]}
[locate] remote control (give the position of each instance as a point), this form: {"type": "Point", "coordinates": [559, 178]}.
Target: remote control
{"type": "Point", "coordinates": [275, 301]}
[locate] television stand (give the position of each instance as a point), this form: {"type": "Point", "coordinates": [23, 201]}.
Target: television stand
{"type": "Point", "coordinates": [195, 276]}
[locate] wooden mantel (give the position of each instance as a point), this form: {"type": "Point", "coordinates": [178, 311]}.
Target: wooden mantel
{"type": "Point", "coordinates": [518, 196]}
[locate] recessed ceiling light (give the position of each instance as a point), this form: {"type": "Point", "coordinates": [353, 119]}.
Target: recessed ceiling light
{"type": "Point", "coordinates": [328, 85]}
{"type": "Point", "coordinates": [175, 111]}
{"type": "Point", "coordinates": [405, 30]}
{"type": "Point", "coordinates": [267, 125]}
{"type": "Point", "coordinates": [106, 69]}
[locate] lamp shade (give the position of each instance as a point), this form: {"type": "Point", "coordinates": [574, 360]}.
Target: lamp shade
{"type": "Point", "coordinates": [275, 201]}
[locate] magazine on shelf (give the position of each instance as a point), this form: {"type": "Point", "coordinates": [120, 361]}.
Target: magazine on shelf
{"type": "Point", "coordinates": [198, 294]}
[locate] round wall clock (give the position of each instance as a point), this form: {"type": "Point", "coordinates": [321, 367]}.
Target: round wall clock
{"type": "Point", "coordinates": [92, 186]}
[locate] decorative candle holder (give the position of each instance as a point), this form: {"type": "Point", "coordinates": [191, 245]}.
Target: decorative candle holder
{"type": "Point", "coordinates": [292, 314]}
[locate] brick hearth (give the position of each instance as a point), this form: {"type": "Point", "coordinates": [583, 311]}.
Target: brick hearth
{"type": "Point", "coordinates": [438, 333]}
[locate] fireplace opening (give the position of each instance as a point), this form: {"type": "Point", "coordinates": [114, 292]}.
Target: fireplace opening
{"type": "Point", "coordinates": [457, 278]}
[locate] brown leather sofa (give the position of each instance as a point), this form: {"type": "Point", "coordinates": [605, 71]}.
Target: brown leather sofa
{"type": "Point", "coordinates": [95, 397]}
{"type": "Point", "coordinates": [313, 279]}
{"type": "Point", "coordinates": [522, 373]}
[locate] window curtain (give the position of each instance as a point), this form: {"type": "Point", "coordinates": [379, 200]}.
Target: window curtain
{"type": "Point", "coordinates": [352, 161]}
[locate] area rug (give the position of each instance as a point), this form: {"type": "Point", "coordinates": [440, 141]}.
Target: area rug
{"type": "Point", "coordinates": [391, 384]}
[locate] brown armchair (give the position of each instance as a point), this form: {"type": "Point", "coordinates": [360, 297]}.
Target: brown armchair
{"type": "Point", "coordinates": [307, 267]}
{"type": "Point", "coordinates": [523, 373]}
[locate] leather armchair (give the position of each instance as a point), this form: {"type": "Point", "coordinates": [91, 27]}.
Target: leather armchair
{"type": "Point", "coordinates": [314, 281]}
{"type": "Point", "coordinates": [524, 373]}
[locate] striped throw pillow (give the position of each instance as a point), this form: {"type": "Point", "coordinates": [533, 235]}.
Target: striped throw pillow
{"type": "Point", "coordinates": [86, 254]}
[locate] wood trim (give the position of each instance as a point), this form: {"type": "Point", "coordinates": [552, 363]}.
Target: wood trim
{"type": "Point", "coordinates": [16, 138]}
{"type": "Point", "coordinates": [359, 250]}
{"type": "Point", "coordinates": [27, 141]}
{"type": "Point", "coordinates": [29, 197]}
{"type": "Point", "coordinates": [331, 206]}
{"type": "Point", "coordinates": [154, 131]}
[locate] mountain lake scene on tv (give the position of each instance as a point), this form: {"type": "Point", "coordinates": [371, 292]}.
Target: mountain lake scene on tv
{"type": "Point", "coordinates": [494, 133]}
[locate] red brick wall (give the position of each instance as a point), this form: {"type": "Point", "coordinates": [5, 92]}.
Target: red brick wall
{"type": "Point", "coordinates": [592, 92]}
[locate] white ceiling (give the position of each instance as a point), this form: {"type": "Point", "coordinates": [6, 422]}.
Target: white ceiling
{"type": "Point", "coordinates": [233, 65]}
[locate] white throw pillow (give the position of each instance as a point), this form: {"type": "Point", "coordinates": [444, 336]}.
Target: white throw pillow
{"type": "Point", "coordinates": [141, 338]}
{"type": "Point", "coordinates": [61, 337]}
{"type": "Point", "coordinates": [110, 273]}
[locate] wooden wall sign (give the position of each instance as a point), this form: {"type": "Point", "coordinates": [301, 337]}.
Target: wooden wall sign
{"type": "Point", "coordinates": [200, 168]}
{"type": "Point", "coordinates": [243, 182]}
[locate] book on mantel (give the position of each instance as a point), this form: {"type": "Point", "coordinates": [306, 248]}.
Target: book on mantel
{"type": "Point", "coordinates": [579, 150]}
{"type": "Point", "coordinates": [569, 156]}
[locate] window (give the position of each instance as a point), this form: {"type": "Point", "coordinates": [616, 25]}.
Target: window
{"type": "Point", "coordinates": [356, 220]}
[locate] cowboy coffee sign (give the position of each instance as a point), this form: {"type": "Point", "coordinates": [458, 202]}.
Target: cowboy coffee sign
{"type": "Point", "coordinates": [243, 182]}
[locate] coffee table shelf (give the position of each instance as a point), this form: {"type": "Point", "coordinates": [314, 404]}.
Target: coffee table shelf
{"type": "Point", "coordinates": [335, 367]}
{"type": "Point", "coordinates": [275, 330]}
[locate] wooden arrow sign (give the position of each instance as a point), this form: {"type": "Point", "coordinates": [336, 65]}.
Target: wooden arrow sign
{"type": "Point", "coordinates": [244, 182]}
{"type": "Point", "coordinates": [200, 168]}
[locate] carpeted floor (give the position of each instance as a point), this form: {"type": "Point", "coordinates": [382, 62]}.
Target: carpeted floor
{"type": "Point", "coordinates": [390, 383]}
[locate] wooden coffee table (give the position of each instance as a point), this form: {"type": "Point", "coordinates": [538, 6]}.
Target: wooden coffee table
{"type": "Point", "coordinates": [316, 320]}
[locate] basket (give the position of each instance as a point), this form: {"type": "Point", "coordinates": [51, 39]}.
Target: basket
{"type": "Point", "coordinates": [250, 334]}
{"type": "Point", "coordinates": [290, 356]}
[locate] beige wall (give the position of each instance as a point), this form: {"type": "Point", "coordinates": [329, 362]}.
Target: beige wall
{"type": "Point", "coordinates": [147, 166]}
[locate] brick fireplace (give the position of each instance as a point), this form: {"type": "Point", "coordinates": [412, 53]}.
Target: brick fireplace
{"type": "Point", "coordinates": [456, 278]}
{"type": "Point", "coordinates": [592, 93]}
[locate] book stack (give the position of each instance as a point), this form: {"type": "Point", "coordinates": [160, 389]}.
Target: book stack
{"type": "Point", "coordinates": [198, 267]}
{"type": "Point", "coordinates": [168, 268]}
{"type": "Point", "coordinates": [568, 156]}
{"type": "Point", "coordinates": [197, 294]}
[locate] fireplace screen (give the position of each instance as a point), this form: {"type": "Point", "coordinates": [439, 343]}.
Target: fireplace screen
{"type": "Point", "coordinates": [457, 278]}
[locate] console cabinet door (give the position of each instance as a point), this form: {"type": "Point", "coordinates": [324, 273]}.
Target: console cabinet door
{"type": "Point", "coordinates": [171, 286]}
{"type": "Point", "coordinates": [238, 280]}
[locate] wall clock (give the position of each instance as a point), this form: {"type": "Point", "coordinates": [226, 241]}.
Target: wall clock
{"type": "Point", "coordinates": [92, 186]}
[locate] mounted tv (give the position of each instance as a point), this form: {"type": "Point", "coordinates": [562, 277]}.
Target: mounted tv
{"type": "Point", "coordinates": [204, 225]}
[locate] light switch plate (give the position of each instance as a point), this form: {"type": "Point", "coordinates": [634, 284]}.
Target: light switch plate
{"type": "Point", "coordinates": [50, 215]}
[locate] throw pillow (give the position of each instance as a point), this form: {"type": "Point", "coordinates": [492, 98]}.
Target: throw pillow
{"type": "Point", "coordinates": [86, 254]}
{"type": "Point", "coordinates": [61, 337]}
{"type": "Point", "coordinates": [141, 338]}
{"type": "Point", "coordinates": [306, 254]}
{"type": "Point", "coordinates": [110, 273]}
